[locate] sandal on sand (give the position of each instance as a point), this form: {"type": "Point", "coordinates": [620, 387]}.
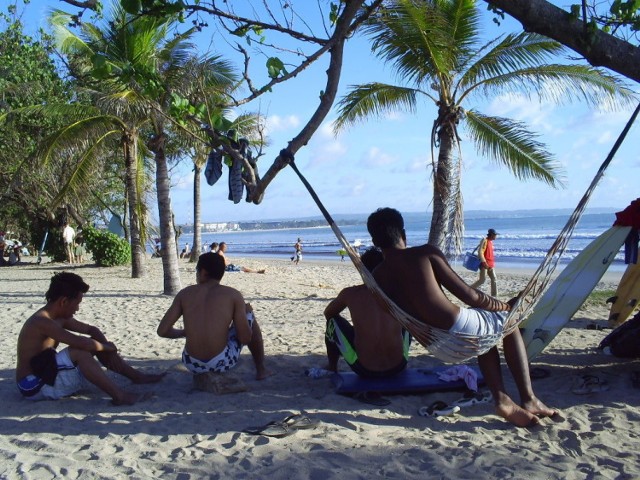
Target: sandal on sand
{"type": "Point", "coordinates": [438, 409]}
{"type": "Point", "coordinates": [372, 398]}
{"type": "Point", "coordinates": [473, 398]}
{"type": "Point", "coordinates": [300, 422]}
{"type": "Point", "coordinates": [271, 429]}
{"type": "Point", "coordinates": [589, 384]}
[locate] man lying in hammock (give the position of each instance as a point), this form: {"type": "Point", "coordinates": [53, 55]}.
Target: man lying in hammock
{"type": "Point", "coordinates": [413, 278]}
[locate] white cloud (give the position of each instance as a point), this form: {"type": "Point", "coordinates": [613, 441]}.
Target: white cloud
{"type": "Point", "coordinates": [375, 157]}
{"type": "Point", "coordinates": [277, 123]}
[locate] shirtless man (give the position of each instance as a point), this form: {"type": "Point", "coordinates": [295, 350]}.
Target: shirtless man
{"type": "Point", "coordinates": [376, 345]}
{"type": "Point", "coordinates": [413, 278]}
{"type": "Point", "coordinates": [42, 373]}
{"type": "Point", "coordinates": [230, 267]}
{"type": "Point", "coordinates": [217, 322]}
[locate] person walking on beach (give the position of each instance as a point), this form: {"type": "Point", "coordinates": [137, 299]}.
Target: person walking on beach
{"type": "Point", "coordinates": [68, 237]}
{"type": "Point", "coordinates": [297, 255]}
{"type": "Point", "coordinates": [217, 322]}
{"type": "Point", "coordinates": [376, 345]}
{"type": "Point", "coordinates": [230, 267]}
{"type": "Point", "coordinates": [487, 262]}
{"type": "Point", "coordinates": [44, 373]}
{"type": "Point", "coordinates": [414, 279]}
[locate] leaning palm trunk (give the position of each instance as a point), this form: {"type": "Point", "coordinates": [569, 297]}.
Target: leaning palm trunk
{"type": "Point", "coordinates": [131, 162]}
{"type": "Point", "coordinates": [172, 284]}
{"type": "Point", "coordinates": [196, 248]}
{"type": "Point", "coordinates": [444, 189]}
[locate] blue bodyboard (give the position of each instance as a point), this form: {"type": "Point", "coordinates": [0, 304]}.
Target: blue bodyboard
{"type": "Point", "coordinates": [410, 380]}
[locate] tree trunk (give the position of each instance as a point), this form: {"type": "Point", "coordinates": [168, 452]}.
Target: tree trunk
{"type": "Point", "coordinates": [170, 268]}
{"type": "Point", "coordinates": [196, 248]}
{"type": "Point", "coordinates": [131, 165]}
{"type": "Point", "coordinates": [443, 189]}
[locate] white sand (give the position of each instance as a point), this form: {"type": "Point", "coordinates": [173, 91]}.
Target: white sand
{"type": "Point", "coordinates": [184, 434]}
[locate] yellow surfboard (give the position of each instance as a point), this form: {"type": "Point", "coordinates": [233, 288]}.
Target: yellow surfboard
{"type": "Point", "coordinates": [626, 297]}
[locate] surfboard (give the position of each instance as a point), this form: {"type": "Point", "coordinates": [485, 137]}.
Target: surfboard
{"type": "Point", "coordinates": [410, 380]}
{"type": "Point", "coordinates": [570, 289]}
{"type": "Point", "coordinates": [626, 297]}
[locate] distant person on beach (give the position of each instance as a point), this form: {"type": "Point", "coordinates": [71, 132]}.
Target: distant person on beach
{"type": "Point", "coordinates": [217, 322]}
{"type": "Point", "coordinates": [487, 262]}
{"type": "Point", "coordinates": [376, 345]}
{"type": "Point", "coordinates": [414, 278]}
{"type": "Point", "coordinates": [230, 267]}
{"type": "Point", "coordinates": [68, 237]}
{"type": "Point", "coordinates": [214, 247]}
{"type": "Point", "coordinates": [44, 373]}
{"type": "Point", "coordinates": [297, 255]}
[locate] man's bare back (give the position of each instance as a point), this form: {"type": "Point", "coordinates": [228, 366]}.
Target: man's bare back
{"type": "Point", "coordinates": [208, 309]}
{"type": "Point", "coordinates": [378, 336]}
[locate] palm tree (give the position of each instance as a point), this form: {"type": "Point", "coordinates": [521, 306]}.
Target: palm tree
{"type": "Point", "coordinates": [435, 46]}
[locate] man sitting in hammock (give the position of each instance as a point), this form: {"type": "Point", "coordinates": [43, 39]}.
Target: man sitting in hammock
{"type": "Point", "coordinates": [413, 278]}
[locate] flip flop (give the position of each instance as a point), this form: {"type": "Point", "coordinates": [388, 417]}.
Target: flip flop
{"type": "Point", "coordinates": [438, 409]}
{"type": "Point", "coordinates": [372, 398]}
{"type": "Point", "coordinates": [271, 429]}
{"type": "Point", "coordinates": [473, 398]}
{"type": "Point", "coordinates": [300, 422]}
{"type": "Point", "coordinates": [589, 384]}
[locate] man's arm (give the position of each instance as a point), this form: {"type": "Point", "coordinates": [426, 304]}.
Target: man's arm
{"type": "Point", "coordinates": [63, 334]}
{"type": "Point", "coordinates": [166, 328]}
{"type": "Point", "coordinates": [481, 249]}
{"type": "Point", "coordinates": [450, 280]}
{"type": "Point", "coordinates": [336, 306]}
{"type": "Point", "coordinates": [240, 322]}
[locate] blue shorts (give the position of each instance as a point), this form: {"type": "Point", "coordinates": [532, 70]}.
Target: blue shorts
{"type": "Point", "coordinates": [222, 362]}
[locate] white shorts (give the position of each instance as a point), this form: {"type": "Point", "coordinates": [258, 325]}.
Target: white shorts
{"type": "Point", "coordinates": [478, 322]}
{"type": "Point", "coordinates": [68, 380]}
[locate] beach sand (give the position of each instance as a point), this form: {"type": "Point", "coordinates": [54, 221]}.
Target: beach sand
{"type": "Point", "coordinates": [185, 434]}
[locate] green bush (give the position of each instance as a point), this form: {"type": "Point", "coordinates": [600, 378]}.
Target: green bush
{"type": "Point", "coordinates": [107, 248]}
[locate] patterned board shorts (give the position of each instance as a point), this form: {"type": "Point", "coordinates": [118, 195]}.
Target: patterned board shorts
{"type": "Point", "coordinates": [222, 362]}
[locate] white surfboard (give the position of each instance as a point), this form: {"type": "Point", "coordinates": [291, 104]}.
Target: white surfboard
{"type": "Point", "coordinates": [570, 289]}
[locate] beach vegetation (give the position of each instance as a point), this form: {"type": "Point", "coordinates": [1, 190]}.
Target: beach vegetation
{"type": "Point", "coordinates": [439, 52]}
{"type": "Point", "coordinates": [107, 249]}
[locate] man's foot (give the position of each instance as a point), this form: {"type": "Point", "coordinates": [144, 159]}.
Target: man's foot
{"type": "Point", "coordinates": [517, 415]}
{"type": "Point", "coordinates": [262, 271]}
{"type": "Point", "coordinates": [129, 398]}
{"type": "Point", "coordinates": [148, 378]}
{"type": "Point", "coordinates": [262, 373]}
{"type": "Point", "coordinates": [536, 407]}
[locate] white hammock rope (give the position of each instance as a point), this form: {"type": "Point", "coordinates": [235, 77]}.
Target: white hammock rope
{"type": "Point", "coordinates": [457, 347]}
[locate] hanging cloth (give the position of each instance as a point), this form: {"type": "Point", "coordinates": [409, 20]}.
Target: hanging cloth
{"type": "Point", "coordinates": [213, 170]}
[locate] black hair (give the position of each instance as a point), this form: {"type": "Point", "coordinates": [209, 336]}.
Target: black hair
{"type": "Point", "coordinates": [371, 258]}
{"type": "Point", "coordinates": [212, 263]}
{"type": "Point", "coordinates": [65, 284]}
{"type": "Point", "coordinates": [386, 227]}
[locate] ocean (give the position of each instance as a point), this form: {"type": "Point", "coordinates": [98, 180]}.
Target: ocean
{"type": "Point", "coordinates": [524, 237]}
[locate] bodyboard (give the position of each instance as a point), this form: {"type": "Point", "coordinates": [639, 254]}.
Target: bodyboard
{"type": "Point", "coordinates": [626, 297]}
{"type": "Point", "coordinates": [410, 380]}
{"type": "Point", "coordinates": [570, 289]}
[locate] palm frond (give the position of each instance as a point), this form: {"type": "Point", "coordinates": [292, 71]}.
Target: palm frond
{"type": "Point", "coordinates": [373, 99]}
{"type": "Point", "coordinates": [511, 144]}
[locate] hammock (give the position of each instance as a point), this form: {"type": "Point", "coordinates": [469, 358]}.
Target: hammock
{"type": "Point", "coordinates": [458, 347]}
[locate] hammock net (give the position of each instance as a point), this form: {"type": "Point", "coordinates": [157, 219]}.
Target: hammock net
{"type": "Point", "coordinates": [458, 347]}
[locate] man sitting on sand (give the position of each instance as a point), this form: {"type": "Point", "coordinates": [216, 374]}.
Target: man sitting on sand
{"type": "Point", "coordinates": [230, 267]}
{"type": "Point", "coordinates": [217, 322]}
{"type": "Point", "coordinates": [43, 373]}
{"type": "Point", "coordinates": [376, 345]}
{"type": "Point", "coordinates": [413, 278]}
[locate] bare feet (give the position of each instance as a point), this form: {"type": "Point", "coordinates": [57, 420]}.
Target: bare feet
{"type": "Point", "coordinates": [517, 415]}
{"type": "Point", "coordinates": [148, 378]}
{"type": "Point", "coordinates": [129, 398]}
{"type": "Point", "coordinates": [538, 408]}
{"type": "Point", "coordinates": [262, 373]}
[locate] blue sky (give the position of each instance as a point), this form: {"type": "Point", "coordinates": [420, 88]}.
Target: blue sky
{"type": "Point", "coordinates": [385, 162]}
